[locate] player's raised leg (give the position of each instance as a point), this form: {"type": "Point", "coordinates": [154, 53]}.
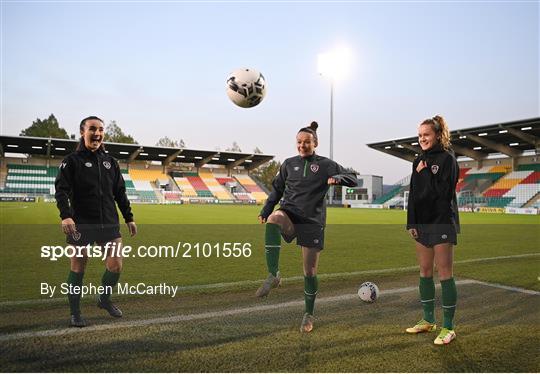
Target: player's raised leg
{"type": "Point", "coordinates": [276, 223]}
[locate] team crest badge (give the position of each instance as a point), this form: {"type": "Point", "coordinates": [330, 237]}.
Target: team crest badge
{"type": "Point", "coordinates": [314, 168]}
{"type": "Point", "coordinates": [296, 168]}
{"type": "Point", "coordinates": [444, 236]}
{"type": "Point", "coordinates": [88, 164]}
{"type": "Point", "coordinates": [107, 164]}
{"type": "Point", "coordinates": [434, 169]}
{"type": "Point", "coordinates": [76, 236]}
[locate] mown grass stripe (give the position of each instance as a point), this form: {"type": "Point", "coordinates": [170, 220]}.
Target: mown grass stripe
{"type": "Point", "coordinates": [233, 312]}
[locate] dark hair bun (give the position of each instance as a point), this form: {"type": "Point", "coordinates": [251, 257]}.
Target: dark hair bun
{"type": "Point", "coordinates": [314, 126]}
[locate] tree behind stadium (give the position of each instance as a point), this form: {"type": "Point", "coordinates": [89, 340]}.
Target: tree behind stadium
{"type": "Point", "coordinates": [167, 142]}
{"type": "Point", "coordinates": [47, 128]}
{"type": "Point", "coordinates": [267, 172]}
{"type": "Point", "coordinates": [114, 134]}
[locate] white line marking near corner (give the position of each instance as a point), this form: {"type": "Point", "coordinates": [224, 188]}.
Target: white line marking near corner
{"type": "Point", "coordinates": [508, 288]}
{"type": "Point", "coordinates": [229, 312]}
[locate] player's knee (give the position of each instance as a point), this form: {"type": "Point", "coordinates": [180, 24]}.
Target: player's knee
{"type": "Point", "coordinates": [78, 264]}
{"type": "Point", "coordinates": [78, 268]}
{"type": "Point", "coordinates": [310, 272]}
{"type": "Point", "coordinates": [275, 218]}
{"type": "Point", "coordinates": [114, 266]}
{"type": "Point", "coordinates": [445, 272]}
{"type": "Point", "coordinates": [426, 271]}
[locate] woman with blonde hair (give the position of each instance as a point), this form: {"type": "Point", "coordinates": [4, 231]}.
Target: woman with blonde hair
{"type": "Point", "coordinates": [433, 221]}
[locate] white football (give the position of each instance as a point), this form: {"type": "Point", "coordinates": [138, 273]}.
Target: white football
{"type": "Point", "coordinates": [368, 292]}
{"type": "Point", "coordinates": [246, 87]}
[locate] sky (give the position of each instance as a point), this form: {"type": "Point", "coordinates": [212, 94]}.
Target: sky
{"type": "Point", "coordinates": [159, 69]}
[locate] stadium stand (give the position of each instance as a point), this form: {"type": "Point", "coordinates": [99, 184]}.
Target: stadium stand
{"type": "Point", "coordinates": [29, 178]}
{"type": "Point", "coordinates": [199, 186]}
{"type": "Point", "coordinates": [172, 196]}
{"type": "Point", "coordinates": [395, 190]}
{"type": "Point", "coordinates": [215, 187]}
{"type": "Point", "coordinates": [251, 187]}
{"type": "Point", "coordinates": [186, 189]}
{"type": "Point", "coordinates": [394, 196]}
{"type": "Point", "coordinates": [461, 180]}
{"type": "Point", "coordinates": [142, 181]}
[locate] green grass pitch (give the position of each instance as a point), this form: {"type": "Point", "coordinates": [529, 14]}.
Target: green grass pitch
{"type": "Point", "coordinates": [215, 323]}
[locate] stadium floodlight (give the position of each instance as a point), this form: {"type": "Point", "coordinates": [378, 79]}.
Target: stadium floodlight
{"type": "Point", "coordinates": [333, 65]}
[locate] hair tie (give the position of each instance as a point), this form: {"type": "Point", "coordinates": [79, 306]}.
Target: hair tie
{"type": "Point", "coordinates": [437, 124]}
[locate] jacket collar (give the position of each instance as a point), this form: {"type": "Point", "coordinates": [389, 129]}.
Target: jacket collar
{"type": "Point", "coordinates": [309, 158]}
{"type": "Point", "coordinates": [88, 152]}
{"type": "Point", "coordinates": [438, 148]}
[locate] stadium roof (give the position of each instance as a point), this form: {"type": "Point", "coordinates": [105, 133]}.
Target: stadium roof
{"type": "Point", "coordinates": [51, 147]}
{"type": "Point", "coordinates": [510, 138]}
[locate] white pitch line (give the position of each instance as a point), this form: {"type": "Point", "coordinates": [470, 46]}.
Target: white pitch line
{"type": "Point", "coordinates": [509, 288]}
{"type": "Point", "coordinates": [230, 312]}
{"type": "Point", "coordinates": [13, 207]}
{"type": "Point", "coordinates": [289, 279]}
{"type": "Point", "coordinates": [194, 317]}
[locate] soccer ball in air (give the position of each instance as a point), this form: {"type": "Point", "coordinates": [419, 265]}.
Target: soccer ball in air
{"type": "Point", "coordinates": [246, 87]}
{"type": "Point", "coordinates": [368, 292]}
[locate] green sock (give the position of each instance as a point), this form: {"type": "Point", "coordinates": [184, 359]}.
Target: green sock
{"type": "Point", "coordinates": [427, 297]}
{"type": "Point", "coordinates": [109, 279]}
{"type": "Point", "coordinates": [75, 279]}
{"type": "Point", "coordinates": [272, 245]}
{"type": "Point", "coordinates": [311, 286]}
{"type": "Point", "coordinates": [449, 299]}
